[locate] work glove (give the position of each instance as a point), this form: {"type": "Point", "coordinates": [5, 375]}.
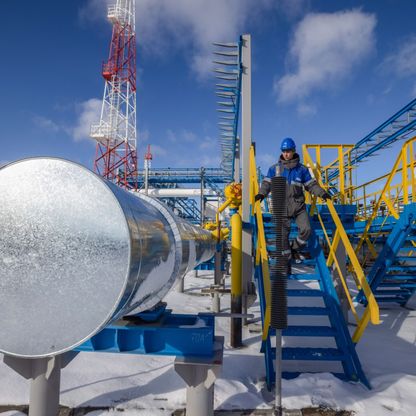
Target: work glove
{"type": "Point", "coordinates": [326, 195]}
{"type": "Point", "coordinates": [259, 197]}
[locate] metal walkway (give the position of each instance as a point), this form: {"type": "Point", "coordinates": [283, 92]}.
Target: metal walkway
{"type": "Point", "coordinates": [398, 127]}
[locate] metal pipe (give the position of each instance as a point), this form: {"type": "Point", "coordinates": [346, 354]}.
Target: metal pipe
{"type": "Point", "coordinates": [78, 252]}
{"type": "Point", "coordinates": [236, 280]}
{"type": "Point", "coordinates": [278, 411]}
{"type": "Point", "coordinates": [245, 145]}
{"type": "Point", "coordinates": [177, 192]}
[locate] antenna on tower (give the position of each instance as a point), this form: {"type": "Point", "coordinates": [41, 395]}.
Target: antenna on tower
{"type": "Point", "coordinates": [147, 165]}
{"type": "Point", "coordinates": [115, 134]}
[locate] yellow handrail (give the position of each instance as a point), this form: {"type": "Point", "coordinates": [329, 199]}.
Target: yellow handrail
{"type": "Point", "coordinates": [341, 164]}
{"type": "Point", "coordinates": [261, 249]}
{"type": "Point", "coordinates": [371, 312]}
{"type": "Point", "coordinates": [402, 166]}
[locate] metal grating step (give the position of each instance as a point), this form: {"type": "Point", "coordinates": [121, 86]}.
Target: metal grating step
{"type": "Point", "coordinates": [309, 331]}
{"type": "Point", "coordinates": [406, 258]}
{"type": "Point", "coordinates": [411, 248]}
{"type": "Point", "coordinates": [390, 277]}
{"type": "Point", "coordinates": [307, 310]}
{"type": "Point", "coordinates": [387, 292]}
{"type": "Point", "coordinates": [382, 299]}
{"type": "Point", "coordinates": [305, 293]}
{"type": "Point", "coordinates": [410, 285]}
{"type": "Point", "coordinates": [310, 354]}
{"type": "Point", "coordinates": [304, 276]}
{"type": "Point", "coordinates": [403, 268]}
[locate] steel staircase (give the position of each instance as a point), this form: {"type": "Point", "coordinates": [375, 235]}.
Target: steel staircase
{"type": "Point", "coordinates": [332, 330]}
{"type": "Point", "coordinates": [392, 277]}
{"type": "Point", "coordinates": [315, 317]}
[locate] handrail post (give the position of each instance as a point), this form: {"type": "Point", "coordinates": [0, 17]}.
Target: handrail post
{"type": "Point", "coordinates": [341, 174]}
{"type": "Point", "coordinates": [341, 255]}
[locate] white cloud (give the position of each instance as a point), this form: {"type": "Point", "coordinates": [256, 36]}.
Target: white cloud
{"type": "Point", "coordinates": [165, 26]}
{"type": "Point", "coordinates": [157, 150]}
{"type": "Point", "coordinates": [188, 136]}
{"type": "Point", "coordinates": [88, 113]}
{"type": "Point", "coordinates": [294, 8]}
{"type": "Point", "coordinates": [208, 143]}
{"type": "Point", "coordinates": [267, 159]}
{"type": "Point", "coordinates": [403, 62]}
{"type": "Point", "coordinates": [190, 147]}
{"type": "Point", "coordinates": [210, 161]}
{"type": "Point", "coordinates": [306, 110]}
{"type": "Point", "coordinates": [171, 136]}
{"type": "Point", "coordinates": [325, 49]}
{"type": "Point", "coordinates": [93, 10]}
{"type": "Point", "coordinates": [143, 137]}
{"type": "Point", "coordinates": [184, 136]}
{"type": "Point", "coordinates": [46, 124]}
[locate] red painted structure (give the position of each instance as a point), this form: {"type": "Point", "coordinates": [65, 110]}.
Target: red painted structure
{"type": "Point", "coordinates": [116, 149]}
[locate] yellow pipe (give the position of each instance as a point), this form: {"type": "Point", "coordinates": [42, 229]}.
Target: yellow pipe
{"type": "Point", "coordinates": [236, 254]}
{"type": "Point", "coordinates": [224, 205]}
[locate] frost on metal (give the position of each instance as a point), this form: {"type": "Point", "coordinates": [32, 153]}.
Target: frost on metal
{"type": "Point", "coordinates": [77, 252]}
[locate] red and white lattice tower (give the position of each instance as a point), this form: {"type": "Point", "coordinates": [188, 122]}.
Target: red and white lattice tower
{"type": "Point", "coordinates": [116, 136]}
{"type": "Point", "coordinates": [148, 157]}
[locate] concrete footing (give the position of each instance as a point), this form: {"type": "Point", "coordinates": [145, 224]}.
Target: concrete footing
{"type": "Point", "coordinates": [199, 376]}
{"type": "Point", "coordinates": [45, 376]}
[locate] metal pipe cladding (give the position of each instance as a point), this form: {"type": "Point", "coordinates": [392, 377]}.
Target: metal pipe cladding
{"type": "Point", "coordinates": [77, 252]}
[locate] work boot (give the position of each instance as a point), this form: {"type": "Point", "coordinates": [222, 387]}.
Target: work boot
{"type": "Point", "coordinates": [297, 255]}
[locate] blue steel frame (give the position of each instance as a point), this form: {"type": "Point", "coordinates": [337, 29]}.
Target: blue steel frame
{"type": "Point", "coordinates": [172, 334]}
{"type": "Point", "coordinates": [388, 256]}
{"type": "Point", "coordinates": [397, 127]}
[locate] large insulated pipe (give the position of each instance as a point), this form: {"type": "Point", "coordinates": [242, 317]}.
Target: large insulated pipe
{"type": "Point", "coordinates": [78, 252]}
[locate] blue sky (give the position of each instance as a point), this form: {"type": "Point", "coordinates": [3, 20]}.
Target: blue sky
{"type": "Point", "coordinates": [324, 72]}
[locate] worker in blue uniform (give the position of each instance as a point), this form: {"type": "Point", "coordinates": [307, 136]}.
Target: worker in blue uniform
{"type": "Point", "coordinates": [298, 177]}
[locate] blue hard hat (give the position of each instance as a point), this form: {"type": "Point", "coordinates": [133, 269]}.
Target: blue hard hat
{"type": "Point", "coordinates": [288, 144]}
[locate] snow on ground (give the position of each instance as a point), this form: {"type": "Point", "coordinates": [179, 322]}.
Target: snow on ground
{"type": "Point", "coordinates": [148, 385]}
